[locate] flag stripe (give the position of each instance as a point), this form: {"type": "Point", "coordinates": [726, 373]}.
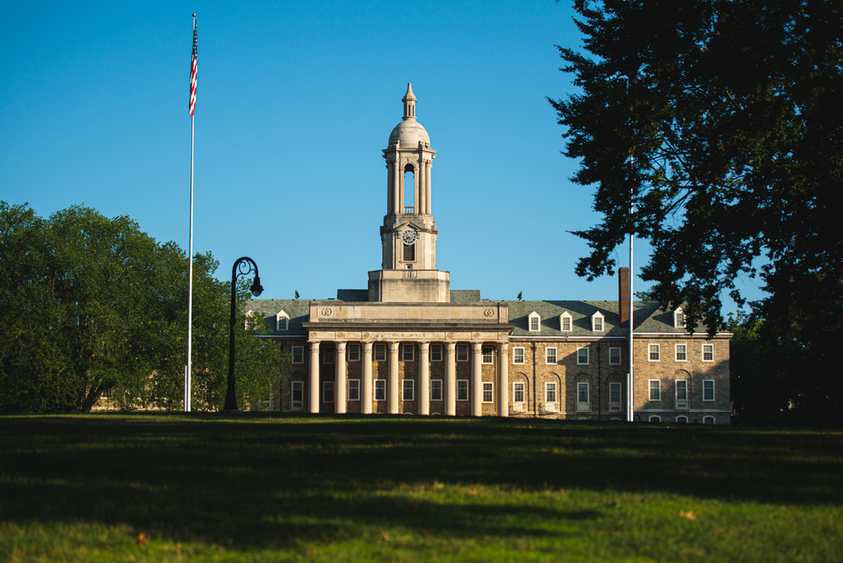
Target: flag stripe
{"type": "Point", "coordinates": [194, 65]}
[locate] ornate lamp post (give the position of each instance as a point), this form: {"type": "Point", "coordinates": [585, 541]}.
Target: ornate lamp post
{"type": "Point", "coordinates": [242, 267]}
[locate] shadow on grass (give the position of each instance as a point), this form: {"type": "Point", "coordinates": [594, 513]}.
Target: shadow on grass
{"type": "Point", "coordinates": [264, 480]}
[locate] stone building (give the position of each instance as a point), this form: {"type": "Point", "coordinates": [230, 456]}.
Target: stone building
{"type": "Point", "coordinates": [409, 344]}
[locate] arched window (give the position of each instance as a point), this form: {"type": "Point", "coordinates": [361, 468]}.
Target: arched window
{"type": "Point", "coordinates": [708, 420]}
{"type": "Point", "coordinates": [682, 419]}
{"type": "Point", "coordinates": [655, 418]}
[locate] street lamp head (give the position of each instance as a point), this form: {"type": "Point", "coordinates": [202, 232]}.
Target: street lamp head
{"type": "Point", "coordinates": [256, 288]}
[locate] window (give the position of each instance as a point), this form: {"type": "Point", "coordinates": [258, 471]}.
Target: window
{"type": "Point", "coordinates": [597, 322]}
{"type": "Point", "coordinates": [435, 352]}
{"type": "Point", "coordinates": [407, 349]}
{"type": "Point", "coordinates": [614, 356]}
{"type": "Point", "coordinates": [550, 393]}
{"type": "Point", "coordinates": [655, 390]}
{"type": "Point", "coordinates": [518, 393]}
{"type": "Point", "coordinates": [708, 420]}
{"type": "Point", "coordinates": [462, 352]}
{"type": "Point", "coordinates": [708, 389]}
{"type": "Point", "coordinates": [488, 353]}
{"type": "Point", "coordinates": [582, 356]}
{"type": "Point", "coordinates": [535, 322]}
{"type": "Point", "coordinates": [328, 391]}
{"type": "Point", "coordinates": [679, 319]}
{"type": "Point", "coordinates": [380, 352]}
{"type": "Point", "coordinates": [682, 420]}
{"type": "Point", "coordinates": [682, 393]}
{"type": "Point", "coordinates": [565, 322]}
{"type": "Point", "coordinates": [328, 355]}
{"type": "Point", "coordinates": [708, 352]}
{"type": "Point", "coordinates": [409, 252]}
{"type": "Point", "coordinates": [681, 353]}
{"type": "Point", "coordinates": [614, 396]}
{"type": "Point", "coordinates": [353, 389]}
{"type": "Point", "coordinates": [353, 352]}
{"type": "Point", "coordinates": [282, 321]}
{"type": "Point", "coordinates": [462, 389]}
{"type": "Point", "coordinates": [380, 389]}
{"type": "Point", "coordinates": [435, 389]}
{"type": "Point", "coordinates": [518, 355]}
{"type": "Point", "coordinates": [654, 352]}
{"type": "Point", "coordinates": [409, 389]}
{"type": "Point", "coordinates": [488, 396]}
{"type": "Point", "coordinates": [297, 395]}
{"type": "Point", "coordinates": [583, 403]}
{"type": "Point", "coordinates": [298, 354]}
{"type": "Point", "coordinates": [655, 418]}
{"type": "Point", "coordinates": [550, 356]}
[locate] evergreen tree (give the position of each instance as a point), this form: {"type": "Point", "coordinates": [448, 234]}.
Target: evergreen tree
{"type": "Point", "coordinates": [720, 123]}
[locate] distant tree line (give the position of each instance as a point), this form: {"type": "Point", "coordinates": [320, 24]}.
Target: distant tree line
{"type": "Point", "coordinates": [719, 122]}
{"type": "Point", "coordinates": [93, 307]}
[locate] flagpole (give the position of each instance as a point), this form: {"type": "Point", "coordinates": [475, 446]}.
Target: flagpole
{"type": "Point", "coordinates": [187, 381]}
{"type": "Point", "coordinates": [630, 396]}
{"type": "Point", "coordinates": [630, 384]}
{"type": "Point", "coordinates": [189, 368]}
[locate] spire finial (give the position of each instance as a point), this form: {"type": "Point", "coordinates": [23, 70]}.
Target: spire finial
{"type": "Point", "coordinates": [409, 102]}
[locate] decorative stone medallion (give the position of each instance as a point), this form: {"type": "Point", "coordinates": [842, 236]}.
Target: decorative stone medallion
{"type": "Point", "coordinates": [326, 312]}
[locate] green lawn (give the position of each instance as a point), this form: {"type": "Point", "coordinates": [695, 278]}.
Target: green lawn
{"type": "Point", "coordinates": [282, 488]}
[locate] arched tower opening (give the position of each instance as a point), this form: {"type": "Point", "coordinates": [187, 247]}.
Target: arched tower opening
{"type": "Point", "coordinates": [409, 189]}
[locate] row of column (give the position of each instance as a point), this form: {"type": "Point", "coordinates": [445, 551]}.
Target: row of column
{"type": "Point", "coordinates": [421, 187]}
{"type": "Point", "coordinates": [393, 387]}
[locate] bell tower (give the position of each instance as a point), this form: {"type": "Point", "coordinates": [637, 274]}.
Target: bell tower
{"type": "Point", "coordinates": [408, 234]}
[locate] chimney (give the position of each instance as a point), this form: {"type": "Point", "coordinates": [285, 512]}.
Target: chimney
{"type": "Point", "coordinates": [623, 296]}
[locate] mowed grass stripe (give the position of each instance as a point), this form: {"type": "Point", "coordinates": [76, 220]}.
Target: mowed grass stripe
{"type": "Point", "coordinates": [275, 487]}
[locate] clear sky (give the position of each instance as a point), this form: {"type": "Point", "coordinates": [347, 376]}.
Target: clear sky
{"type": "Point", "coordinates": [295, 102]}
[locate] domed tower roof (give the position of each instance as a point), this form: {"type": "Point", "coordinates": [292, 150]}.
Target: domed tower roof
{"type": "Point", "coordinates": [409, 131]}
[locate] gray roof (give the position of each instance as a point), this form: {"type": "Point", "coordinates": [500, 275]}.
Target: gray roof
{"type": "Point", "coordinates": [649, 316]}
{"type": "Point", "coordinates": [297, 309]}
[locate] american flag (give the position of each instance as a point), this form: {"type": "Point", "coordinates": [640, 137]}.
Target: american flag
{"type": "Point", "coordinates": [193, 70]}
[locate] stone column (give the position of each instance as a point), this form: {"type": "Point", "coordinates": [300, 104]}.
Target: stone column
{"type": "Point", "coordinates": [397, 192]}
{"type": "Point", "coordinates": [418, 178]}
{"type": "Point", "coordinates": [476, 379]}
{"type": "Point", "coordinates": [451, 379]}
{"type": "Point", "coordinates": [503, 379]}
{"type": "Point", "coordinates": [314, 377]}
{"type": "Point", "coordinates": [389, 176]}
{"type": "Point", "coordinates": [367, 378]}
{"type": "Point", "coordinates": [424, 378]}
{"type": "Point", "coordinates": [401, 188]}
{"type": "Point", "coordinates": [422, 191]}
{"type": "Point", "coordinates": [427, 187]}
{"type": "Point", "coordinates": [339, 392]}
{"type": "Point", "coordinates": [393, 378]}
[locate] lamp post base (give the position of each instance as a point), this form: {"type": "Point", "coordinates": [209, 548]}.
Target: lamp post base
{"type": "Point", "coordinates": [231, 396]}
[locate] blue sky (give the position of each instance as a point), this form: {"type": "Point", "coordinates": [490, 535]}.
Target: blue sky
{"type": "Point", "coordinates": [295, 102]}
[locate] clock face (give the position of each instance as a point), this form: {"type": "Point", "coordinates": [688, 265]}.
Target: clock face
{"type": "Point", "coordinates": [409, 236]}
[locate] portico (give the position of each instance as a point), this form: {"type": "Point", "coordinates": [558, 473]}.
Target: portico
{"type": "Point", "coordinates": [405, 335]}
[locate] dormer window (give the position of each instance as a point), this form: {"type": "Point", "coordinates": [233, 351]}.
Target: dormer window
{"type": "Point", "coordinates": [566, 322]}
{"type": "Point", "coordinates": [282, 321]}
{"type": "Point", "coordinates": [597, 322]}
{"type": "Point", "coordinates": [679, 318]}
{"type": "Point", "coordinates": [535, 322]}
